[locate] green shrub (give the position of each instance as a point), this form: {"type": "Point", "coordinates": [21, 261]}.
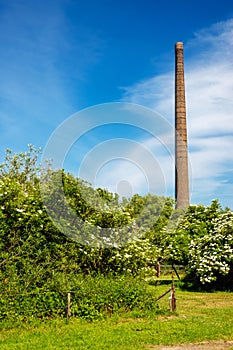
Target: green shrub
{"type": "Point", "coordinates": [92, 297]}
{"type": "Point", "coordinates": [210, 257]}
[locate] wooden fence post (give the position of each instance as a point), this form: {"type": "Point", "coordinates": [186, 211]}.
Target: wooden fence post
{"type": "Point", "coordinates": [173, 296]}
{"type": "Point", "coordinates": [158, 269]}
{"type": "Point", "coordinates": [68, 306]}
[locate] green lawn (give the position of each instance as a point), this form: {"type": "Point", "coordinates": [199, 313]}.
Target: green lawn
{"type": "Point", "coordinates": [199, 317]}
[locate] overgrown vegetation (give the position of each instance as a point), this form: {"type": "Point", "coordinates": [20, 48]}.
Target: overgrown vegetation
{"type": "Point", "coordinates": [203, 241]}
{"type": "Point", "coordinates": [89, 241]}
{"type": "Point", "coordinates": [201, 317]}
{"type": "Point", "coordinates": [92, 298]}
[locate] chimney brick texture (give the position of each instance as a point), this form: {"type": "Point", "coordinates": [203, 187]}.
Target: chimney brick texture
{"type": "Point", "coordinates": [181, 152]}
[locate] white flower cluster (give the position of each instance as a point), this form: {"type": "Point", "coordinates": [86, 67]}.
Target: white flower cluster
{"type": "Point", "coordinates": [212, 254]}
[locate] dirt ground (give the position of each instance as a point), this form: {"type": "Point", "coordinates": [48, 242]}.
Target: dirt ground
{"type": "Point", "coordinates": [213, 345]}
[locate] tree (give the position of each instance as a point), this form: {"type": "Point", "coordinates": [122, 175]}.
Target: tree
{"type": "Point", "coordinates": [210, 257]}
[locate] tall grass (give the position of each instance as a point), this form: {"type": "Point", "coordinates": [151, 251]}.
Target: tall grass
{"type": "Point", "coordinates": [199, 317]}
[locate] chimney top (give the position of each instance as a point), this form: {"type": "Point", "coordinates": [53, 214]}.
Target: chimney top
{"type": "Point", "coordinates": [179, 45]}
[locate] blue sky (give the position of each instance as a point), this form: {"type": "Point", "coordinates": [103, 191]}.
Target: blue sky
{"type": "Point", "coordinates": [59, 57]}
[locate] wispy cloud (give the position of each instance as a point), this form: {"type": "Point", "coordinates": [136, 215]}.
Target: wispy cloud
{"type": "Point", "coordinates": [132, 162]}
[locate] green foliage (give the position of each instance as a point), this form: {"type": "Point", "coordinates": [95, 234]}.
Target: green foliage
{"type": "Point", "coordinates": [21, 166]}
{"type": "Point", "coordinates": [201, 317]}
{"type": "Point", "coordinates": [34, 253]}
{"type": "Point", "coordinates": [88, 231]}
{"type": "Point", "coordinates": [98, 296]}
{"type": "Point", "coordinates": [92, 297]}
{"type": "Point", "coordinates": [196, 221]}
{"type": "Point", "coordinates": [210, 258]}
{"type": "Point", "coordinates": [202, 240]}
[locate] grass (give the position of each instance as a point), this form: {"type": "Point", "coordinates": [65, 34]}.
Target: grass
{"type": "Point", "coordinates": [199, 317]}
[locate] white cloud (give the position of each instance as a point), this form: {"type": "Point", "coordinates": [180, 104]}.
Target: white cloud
{"type": "Point", "coordinates": [212, 156]}
{"type": "Point", "coordinates": [142, 165]}
{"type": "Point", "coordinates": [209, 94]}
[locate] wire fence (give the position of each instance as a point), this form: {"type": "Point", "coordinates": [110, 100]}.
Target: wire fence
{"type": "Point", "coordinates": [66, 303]}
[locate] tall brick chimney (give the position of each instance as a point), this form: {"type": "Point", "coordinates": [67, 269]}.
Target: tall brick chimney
{"type": "Point", "coordinates": [181, 153]}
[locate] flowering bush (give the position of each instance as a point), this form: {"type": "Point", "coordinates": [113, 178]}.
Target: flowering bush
{"type": "Point", "coordinates": [33, 250]}
{"type": "Point", "coordinates": [210, 257]}
{"type": "Point", "coordinates": [196, 221]}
